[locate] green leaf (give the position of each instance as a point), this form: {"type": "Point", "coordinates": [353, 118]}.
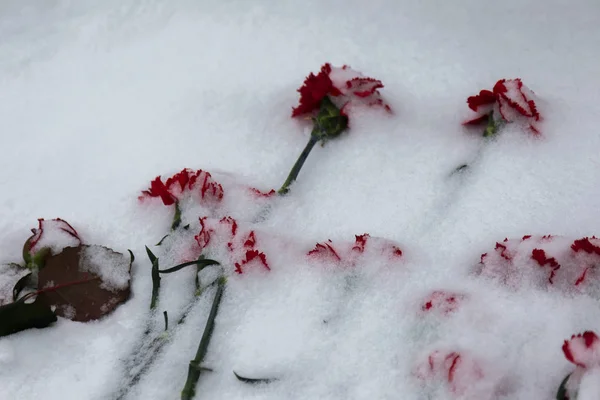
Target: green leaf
{"type": "Point", "coordinates": [253, 381]}
{"type": "Point", "coordinates": [74, 282]}
{"type": "Point", "coordinates": [151, 255]}
{"type": "Point", "coordinates": [131, 257]}
{"type": "Point", "coordinates": [21, 284]}
{"type": "Point", "coordinates": [162, 240]}
{"type": "Point", "coordinates": [155, 283]}
{"type": "Point", "coordinates": [201, 264]}
{"type": "Point", "coordinates": [19, 316]}
{"type": "Point", "coordinates": [27, 250]}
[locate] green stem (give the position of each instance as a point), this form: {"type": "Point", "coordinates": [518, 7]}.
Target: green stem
{"type": "Point", "coordinates": [176, 217]}
{"type": "Point", "coordinates": [299, 163]}
{"type": "Point", "coordinates": [195, 369]}
{"type": "Point", "coordinates": [155, 284]}
{"type": "Point", "coordinates": [491, 127]}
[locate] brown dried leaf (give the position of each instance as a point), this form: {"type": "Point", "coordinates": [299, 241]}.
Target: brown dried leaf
{"type": "Point", "coordinates": [85, 283]}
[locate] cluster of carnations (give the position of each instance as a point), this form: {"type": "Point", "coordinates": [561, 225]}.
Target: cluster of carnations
{"type": "Point", "coordinates": [328, 99]}
{"type": "Point", "coordinates": [468, 377]}
{"type": "Point", "coordinates": [548, 262]}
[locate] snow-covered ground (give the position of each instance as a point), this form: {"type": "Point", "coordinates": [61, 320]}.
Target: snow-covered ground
{"type": "Point", "coordinates": [98, 98]}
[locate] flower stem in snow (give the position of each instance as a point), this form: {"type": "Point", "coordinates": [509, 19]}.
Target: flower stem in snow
{"type": "Point", "coordinates": [328, 124]}
{"type": "Point", "coordinates": [195, 368]}
{"type": "Point", "coordinates": [176, 217]}
{"type": "Point", "coordinates": [285, 188]}
{"type": "Point", "coordinates": [491, 127]}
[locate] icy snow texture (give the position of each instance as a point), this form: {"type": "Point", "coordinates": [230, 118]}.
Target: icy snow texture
{"type": "Point", "coordinates": [111, 267]}
{"type": "Point", "coordinates": [97, 98]}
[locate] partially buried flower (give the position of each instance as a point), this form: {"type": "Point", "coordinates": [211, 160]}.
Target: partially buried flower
{"type": "Point", "coordinates": [364, 249]}
{"type": "Point", "coordinates": [198, 184]}
{"type": "Point", "coordinates": [343, 86]}
{"type": "Point", "coordinates": [50, 237]}
{"type": "Point", "coordinates": [583, 350]}
{"type": "Point", "coordinates": [225, 238]}
{"type": "Point", "coordinates": [327, 98]}
{"type": "Point", "coordinates": [509, 101]}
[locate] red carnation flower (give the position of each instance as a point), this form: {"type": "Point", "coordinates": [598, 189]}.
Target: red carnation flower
{"type": "Point", "coordinates": [325, 252]}
{"type": "Point", "coordinates": [443, 301]}
{"type": "Point", "coordinates": [226, 235]}
{"type": "Point", "coordinates": [158, 189]}
{"type": "Point", "coordinates": [349, 254]}
{"type": "Point", "coordinates": [544, 261]}
{"type": "Point", "coordinates": [583, 350]}
{"type": "Point", "coordinates": [327, 98]}
{"type": "Point", "coordinates": [342, 85]}
{"type": "Point", "coordinates": [58, 227]}
{"type": "Point", "coordinates": [185, 181]}
{"type": "Point", "coordinates": [461, 372]}
{"type": "Point", "coordinates": [509, 101]}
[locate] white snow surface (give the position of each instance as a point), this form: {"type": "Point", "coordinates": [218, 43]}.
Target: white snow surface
{"type": "Point", "coordinates": [111, 267]}
{"type": "Point", "coordinates": [98, 98]}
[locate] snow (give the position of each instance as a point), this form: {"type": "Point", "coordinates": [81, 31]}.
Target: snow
{"type": "Point", "coordinates": [112, 268]}
{"type": "Point", "coordinates": [97, 99]}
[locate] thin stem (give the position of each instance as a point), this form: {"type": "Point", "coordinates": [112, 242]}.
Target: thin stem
{"type": "Point", "coordinates": [201, 263]}
{"type": "Point", "coordinates": [155, 284]}
{"type": "Point", "coordinates": [299, 163]}
{"type": "Point", "coordinates": [176, 217]}
{"type": "Point", "coordinates": [195, 369]}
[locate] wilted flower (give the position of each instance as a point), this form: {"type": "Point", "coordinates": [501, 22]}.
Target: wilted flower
{"type": "Point", "coordinates": [509, 101]}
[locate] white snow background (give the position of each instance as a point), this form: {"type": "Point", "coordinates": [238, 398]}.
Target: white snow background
{"type": "Point", "coordinates": [98, 98]}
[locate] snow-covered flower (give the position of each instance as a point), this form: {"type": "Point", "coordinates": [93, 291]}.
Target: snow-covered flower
{"type": "Point", "coordinates": [442, 301]}
{"type": "Point", "coordinates": [327, 98]}
{"type": "Point", "coordinates": [224, 237]}
{"type": "Point", "coordinates": [544, 262]}
{"type": "Point", "coordinates": [187, 180]}
{"type": "Point", "coordinates": [344, 86]}
{"type": "Point", "coordinates": [462, 373]}
{"type": "Point", "coordinates": [509, 101]}
{"type": "Point", "coordinates": [350, 253]}
{"type": "Point", "coordinates": [199, 184]}
{"type": "Point", "coordinates": [51, 236]}
{"type": "Point", "coordinates": [583, 350]}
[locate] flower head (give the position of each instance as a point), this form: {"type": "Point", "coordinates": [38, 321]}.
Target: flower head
{"type": "Point", "coordinates": [443, 302]}
{"type": "Point", "coordinates": [342, 85]}
{"type": "Point", "coordinates": [508, 101]}
{"type": "Point", "coordinates": [545, 261]}
{"type": "Point", "coordinates": [50, 235]}
{"type": "Point", "coordinates": [583, 350]}
{"type": "Point", "coordinates": [197, 182]}
{"type": "Point", "coordinates": [461, 372]}
{"type": "Point", "coordinates": [226, 237]}
{"type": "Point", "coordinates": [363, 248]}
